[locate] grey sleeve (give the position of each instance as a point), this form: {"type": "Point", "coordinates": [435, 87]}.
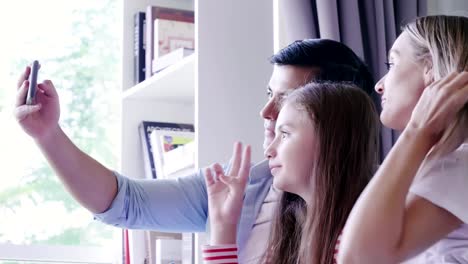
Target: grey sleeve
{"type": "Point", "coordinates": [169, 205]}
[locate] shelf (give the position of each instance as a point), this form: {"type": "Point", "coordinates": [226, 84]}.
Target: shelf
{"type": "Point", "coordinates": [174, 83]}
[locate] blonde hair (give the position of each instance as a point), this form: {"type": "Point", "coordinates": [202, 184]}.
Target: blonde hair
{"type": "Point", "coordinates": [440, 42]}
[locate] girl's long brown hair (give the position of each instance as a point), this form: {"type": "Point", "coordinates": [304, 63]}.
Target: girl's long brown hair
{"type": "Point", "coordinates": [346, 124]}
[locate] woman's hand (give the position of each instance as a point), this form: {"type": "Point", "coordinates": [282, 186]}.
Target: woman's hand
{"type": "Point", "coordinates": [225, 195]}
{"type": "Point", "coordinates": [439, 104]}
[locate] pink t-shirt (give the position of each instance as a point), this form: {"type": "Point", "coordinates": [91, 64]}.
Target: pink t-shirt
{"type": "Point", "coordinates": [445, 184]}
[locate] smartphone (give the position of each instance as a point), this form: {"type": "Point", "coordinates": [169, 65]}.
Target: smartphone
{"type": "Point", "coordinates": [31, 97]}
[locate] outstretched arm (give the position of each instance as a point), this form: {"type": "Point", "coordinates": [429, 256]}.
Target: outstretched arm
{"type": "Point", "coordinates": [91, 184]}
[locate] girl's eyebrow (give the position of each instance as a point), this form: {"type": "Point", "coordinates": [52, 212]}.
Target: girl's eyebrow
{"type": "Point", "coordinates": [285, 125]}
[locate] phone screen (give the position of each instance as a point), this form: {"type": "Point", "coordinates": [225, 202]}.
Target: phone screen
{"type": "Point", "coordinates": [31, 97]}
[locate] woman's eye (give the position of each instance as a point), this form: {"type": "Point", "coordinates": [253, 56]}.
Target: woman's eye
{"type": "Point", "coordinates": [269, 94]}
{"type": "Point", "coordinates": [389, 65]}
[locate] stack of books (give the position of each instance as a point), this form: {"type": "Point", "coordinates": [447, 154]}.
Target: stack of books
{"type": "Point", "coordinates": [160, 31]}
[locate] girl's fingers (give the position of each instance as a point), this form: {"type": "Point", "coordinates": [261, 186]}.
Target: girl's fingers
{"type": "Point", "coordinates": [218, 169]}
{"type": "Point", "coordinates": [208, 177]}
{"type": "Point", "coordinates": [245, 166]}
{"type": "Point", "coordinates": [236, 159]}
{"type": "Point", "coordinates": [226, 179]}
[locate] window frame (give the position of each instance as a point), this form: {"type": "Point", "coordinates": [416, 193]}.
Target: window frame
{"type": "Point", "coordinates": [62, 254]}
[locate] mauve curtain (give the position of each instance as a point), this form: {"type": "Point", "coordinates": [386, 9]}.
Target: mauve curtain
{"type": "Point", "coordinates": [369, 27]}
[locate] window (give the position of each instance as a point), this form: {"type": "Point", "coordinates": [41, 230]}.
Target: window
{"type": "Point", "coordinates": [78, 45]}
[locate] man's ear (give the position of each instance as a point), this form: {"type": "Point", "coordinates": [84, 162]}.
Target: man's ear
{"type": "Point", "coordinates": [428, 73]}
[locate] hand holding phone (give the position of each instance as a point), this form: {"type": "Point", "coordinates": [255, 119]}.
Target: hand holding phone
{"type": "Point", "coordinates": [31, 97]}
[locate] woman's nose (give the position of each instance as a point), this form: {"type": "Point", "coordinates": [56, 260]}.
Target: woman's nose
{"type": "Point", "coordinates": [379, 88]}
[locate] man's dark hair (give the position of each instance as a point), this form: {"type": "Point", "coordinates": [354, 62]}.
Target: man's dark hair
{"type": "Point", "coordinates": [335, 61]}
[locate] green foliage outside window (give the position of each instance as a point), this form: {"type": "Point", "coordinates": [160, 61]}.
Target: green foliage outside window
{"type": "Point", "coordinates": [86, 76]}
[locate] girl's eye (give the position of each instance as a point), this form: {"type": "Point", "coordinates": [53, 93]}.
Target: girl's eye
{"type": "Point", "coordinates": [284, 134]}
{"type": "Point", "coordinates": [389, 65]}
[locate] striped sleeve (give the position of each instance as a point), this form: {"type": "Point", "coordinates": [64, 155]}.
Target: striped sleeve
{"type": "Point", "coordinates": [226, 254]}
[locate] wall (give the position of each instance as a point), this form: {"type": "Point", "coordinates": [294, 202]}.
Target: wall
{"type": "Point", "coordinates": [447, 7]}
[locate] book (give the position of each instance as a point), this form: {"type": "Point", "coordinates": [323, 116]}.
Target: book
{"type": "Point", "coordinates": [173, 152]}
{"type": "Point", "coordinates": [180, 160]}
{"type": "Point", "coordinates": [170, 58]}
{"type": "Point", "coordinates": [157, 12]}
{"type": "Point", "coordinates": [145, 128]}
{"type": "Point", "coordinates": [170, 35]}
{"type": "Point", "coordinates": [139, 47]}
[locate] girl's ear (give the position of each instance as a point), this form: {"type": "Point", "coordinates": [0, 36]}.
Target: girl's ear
{"type": "Point", "coordinates": [428, 73]}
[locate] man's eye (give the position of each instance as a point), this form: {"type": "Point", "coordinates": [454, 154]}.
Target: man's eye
{"type": "Point", "coordinates": [269, 94]}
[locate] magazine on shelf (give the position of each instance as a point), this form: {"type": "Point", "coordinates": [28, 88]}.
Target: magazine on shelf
{"type": "Point", "coordinates": [145, 129]}
{"type": "Point", "coordinates": [170, 35]}
{"type": "Point", "coordinates": [173, 152]}
{"type": "Point", "coordinates": [170, 58]}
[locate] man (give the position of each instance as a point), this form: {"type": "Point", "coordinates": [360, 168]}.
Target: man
{"type": "Point", "coordinates": [181, 206]}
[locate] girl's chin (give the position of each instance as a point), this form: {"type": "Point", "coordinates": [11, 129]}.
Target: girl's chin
{"type": "Point", "coordinates": [280, 185]}
{"type": "Point", "coordinates": [276, 184]}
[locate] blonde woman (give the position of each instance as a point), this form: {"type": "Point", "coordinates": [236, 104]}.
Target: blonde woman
{"type": "Point", "coordinates": [415, 208]}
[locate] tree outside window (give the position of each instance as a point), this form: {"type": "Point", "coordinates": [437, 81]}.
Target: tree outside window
{"type": "Point", "coordinates": [78, 45]}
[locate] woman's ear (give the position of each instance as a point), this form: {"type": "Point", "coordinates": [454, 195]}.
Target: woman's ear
{"type": "Point", "coordinates": [428, 73]}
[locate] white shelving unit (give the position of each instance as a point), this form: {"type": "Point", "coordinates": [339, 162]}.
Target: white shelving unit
{"type": "Point", "coordinates": [175, 83]}
{"type": "Point", "coordinates": [220, 89]}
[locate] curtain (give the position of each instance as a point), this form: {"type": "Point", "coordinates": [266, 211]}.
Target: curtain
{"type": "Point", "coordinates": [368, 27]}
